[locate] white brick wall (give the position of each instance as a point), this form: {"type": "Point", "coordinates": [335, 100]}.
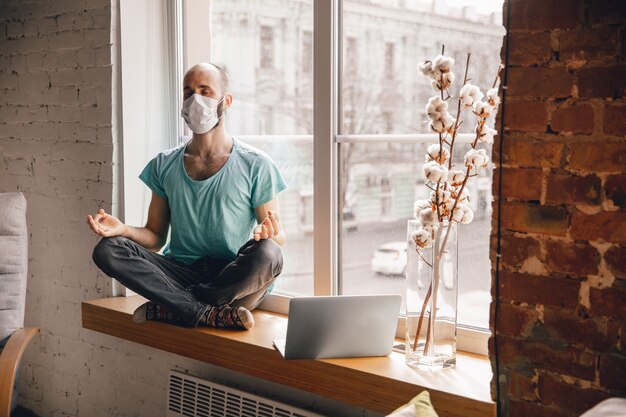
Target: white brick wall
{"type": "Point", "coordinates": [56, 146]}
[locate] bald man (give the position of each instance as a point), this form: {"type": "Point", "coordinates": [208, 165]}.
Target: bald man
{"type": "Point", "coordinates": [219, 196]}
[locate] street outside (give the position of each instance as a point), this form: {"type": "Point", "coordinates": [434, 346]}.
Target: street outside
{"type": "Point", "coordinates": [358, 278]}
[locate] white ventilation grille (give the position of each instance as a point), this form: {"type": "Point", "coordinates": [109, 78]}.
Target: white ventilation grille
{"type": "Point", "coordinates": [190, 396]}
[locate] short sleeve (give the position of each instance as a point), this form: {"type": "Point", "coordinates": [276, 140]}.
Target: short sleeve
{"type": "Point", "coordinates": [267, 182]}
{"type": "Point", "coordinates": [152, 178]}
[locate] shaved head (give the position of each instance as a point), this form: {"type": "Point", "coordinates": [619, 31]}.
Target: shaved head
{"type": "Point", "coordinates": [214, 71]}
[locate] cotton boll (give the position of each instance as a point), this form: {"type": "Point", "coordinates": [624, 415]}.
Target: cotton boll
{"type": "Point", "coordinates": [422, 238]}
{"type": "Point", "coordinates": [436, 106]}
{"type": "Point", "coordinates": [469, 95]}
{"type": "Point", "coordinates": [420, 205]}
{"type": "Point", "coordinates": [437, 126]}
{"type": "Point", "coordinates": [428, 216]}
{"type": "Point", "coordinates": [435, 172]}
{"type": "Point", "coordinates": [426, 68]}
{"type": "Point", "coordinates": [493, 98]}
{"type": "Point", "coordinates": [446, 80]}
{"type": "Point", "coordinates": [456, 177]}
{"type": "Point", "coordinates": [482, 109]}
{"type": "Point", "coordinates": [432, 154]}
{"type": "Point", "coordinates": [487, 135]}
{"type": "Point", "coordinates": [443, 63]}
{"type": "Point", "coordinates": [476, 158]}
{"type": "Point", "coordinates": [448, 123]}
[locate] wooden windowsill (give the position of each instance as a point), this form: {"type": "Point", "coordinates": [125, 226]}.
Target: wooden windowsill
{"type": "Point", "coordinates": [379, 384]}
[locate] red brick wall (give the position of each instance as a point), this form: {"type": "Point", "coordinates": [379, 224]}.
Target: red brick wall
{"type": "Point", "coordinates": [561, 318]}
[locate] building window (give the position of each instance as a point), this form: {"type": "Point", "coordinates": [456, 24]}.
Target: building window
{"type": "Point", "coordinates": [351, 56]}
{"type": "Point", "coordinates": [389, 60]}
{"type": "Point", "coordinates": [267, 47]}
{"type": "Point", "coordinates": [307, 52]}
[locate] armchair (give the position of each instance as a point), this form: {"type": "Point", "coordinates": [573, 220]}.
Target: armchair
{"type": "Point", "coordinates": [13, 273]}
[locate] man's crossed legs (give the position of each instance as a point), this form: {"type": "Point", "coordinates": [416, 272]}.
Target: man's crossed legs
{"type": "Point", "coordinates": [208, 292]}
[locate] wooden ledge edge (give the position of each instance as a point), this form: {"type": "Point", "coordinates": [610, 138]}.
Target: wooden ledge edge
{"type": "Point", "coordinates": [363, 382]}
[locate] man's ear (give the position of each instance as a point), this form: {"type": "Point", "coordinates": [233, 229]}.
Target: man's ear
{"type": "Point", "coordinates": [228, 101]}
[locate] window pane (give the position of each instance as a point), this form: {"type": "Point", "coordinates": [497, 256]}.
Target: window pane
{"type": "Point", "coordinates": [268, 52]}
{"type": "Point", "coordinates": [380, 184]}
{"type": "Point", "coordinates": [384, 93]}
{"type": "Point", "coordinates": [385, 40]}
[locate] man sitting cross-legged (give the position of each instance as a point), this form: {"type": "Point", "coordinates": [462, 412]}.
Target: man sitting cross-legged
{"type": "Point", "coordinates": [219, 196]}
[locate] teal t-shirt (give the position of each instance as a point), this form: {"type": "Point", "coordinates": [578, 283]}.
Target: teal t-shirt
{"type": "Point", "coordinates": [213, 217]}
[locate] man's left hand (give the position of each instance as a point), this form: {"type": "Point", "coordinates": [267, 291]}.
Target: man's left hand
{"type": "Point", "coordinates": [269, 228]}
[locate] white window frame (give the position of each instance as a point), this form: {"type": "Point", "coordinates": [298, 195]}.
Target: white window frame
{"type": "Point", "coordinates": [327, 38]}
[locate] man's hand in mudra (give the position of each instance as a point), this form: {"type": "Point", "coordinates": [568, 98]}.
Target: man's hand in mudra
{"type": "Point", "coordinates": [106, 225]}
{"type": "Point", "coordinates": [269, 227]}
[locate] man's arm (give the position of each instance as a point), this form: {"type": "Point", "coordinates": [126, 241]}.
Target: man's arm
{"type": "Point", "coordinates": [152, 236]}
{"type": "Point", "coordinates": [269, 226]}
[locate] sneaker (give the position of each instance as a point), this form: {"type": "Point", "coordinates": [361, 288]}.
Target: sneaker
{"type": "Point", "coordinates": [226, 316]}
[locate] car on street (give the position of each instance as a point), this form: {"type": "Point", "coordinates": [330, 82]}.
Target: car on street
{"type": "Point", "coordinates": [390, 259]}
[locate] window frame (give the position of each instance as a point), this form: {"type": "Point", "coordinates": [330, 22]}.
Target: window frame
{"type": "Point", "coordinates": [327, 117]}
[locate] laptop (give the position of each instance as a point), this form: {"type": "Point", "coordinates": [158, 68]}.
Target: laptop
{"type": "Point", "coordinates": [345, 326]}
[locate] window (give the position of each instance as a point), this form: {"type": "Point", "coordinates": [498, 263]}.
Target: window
{"type": "Point", "coordinates": [307, 52]}
{"type": "Point", "coordinates": [383, 138]}
{"type": "Point", "coordinates": [389, 52]}
{"type": "Point", "coordinates": [267, 46]}
{"type": "Point", "coordinates": [352, 59]}
{"type": "Point", "coordinates": [368, 141]}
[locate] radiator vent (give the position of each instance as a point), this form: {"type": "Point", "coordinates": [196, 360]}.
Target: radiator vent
{"type": "Point", "coordinates": [190, 396]}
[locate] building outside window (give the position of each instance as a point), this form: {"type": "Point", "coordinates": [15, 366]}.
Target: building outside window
{"type": "Point", "coordinates": [267, 47]}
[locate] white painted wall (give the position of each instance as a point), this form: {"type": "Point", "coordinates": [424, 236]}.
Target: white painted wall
{"type": "Point", "coordinates": [58, 128]}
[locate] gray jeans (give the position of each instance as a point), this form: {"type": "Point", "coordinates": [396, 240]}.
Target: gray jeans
{"type": "Point", "coordinates": [189, 290]}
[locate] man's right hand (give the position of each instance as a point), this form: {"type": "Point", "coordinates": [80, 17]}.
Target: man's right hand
{"type": "Point", "coordinates": [106, 225]}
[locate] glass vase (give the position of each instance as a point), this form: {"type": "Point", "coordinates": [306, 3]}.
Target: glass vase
{"type": "Point", "coordinates": [431, 297]}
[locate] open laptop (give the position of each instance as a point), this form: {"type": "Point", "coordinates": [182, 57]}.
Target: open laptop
{"type": "Point", "coordinates": [346, 326]}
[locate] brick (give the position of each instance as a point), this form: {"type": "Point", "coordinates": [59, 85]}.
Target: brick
{"type": "Point", "coordinates": [522, 386]}
{"type": "Point", "coordinates": [541, 352]}
{"type": "Point", "coordinates": [602, 82]}
{"type": "Point", "coordinates": [597, 156]}
{"type": "Point", "coordinates": [573, 189]}
{"type": "Point", "coordinates": [522, 151]}
{"type": "Point", "coordinates": [583, 331]}
{"type": "Point", "coordinates": [577, 118]}
{"type": "Point", "coordinates": [521, 183]}
{"type": "Point", "coordinates": [515, 320]}
{"type": "Point", "coordinates": [515, 250]}
{"type": "Point", "coordinates": [544, 14]}
{"type": "Point", "coordinates": [534, 409]}
{"type": "Point", "coordinates": [47, 26]}
{"type": "Point", "coordinates": [529, 48]}
{"type": "Point", "coordinates": [609, 226]}
{"type": "Point", "coordinates": [614, 121]}
{"type": "Point", "coordinates": [609, 302]}
{"type": "Point", "coordinates": [578, 259]}
{"type": "Point", "coordinates": [613, 371]}
{"type": "Point", "coordinates": [550, 220]}
{"type": "Point", "coordinates": [567, 396]}
{"type": "Point", "coordinates": [588, 43]}
{"type": "Point", "coordinates": [545, 290]}
{"type": "Point", "coordinates": [539, 81]}
{"type": "Point", "coordinates": [529, 116]}
{"type": "Point", "coordinates": [615, 259]}
{"type": "Point", "coordinates": [608, 12]}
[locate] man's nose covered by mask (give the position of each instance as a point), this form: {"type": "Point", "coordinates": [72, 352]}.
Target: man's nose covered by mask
{"type": "Point", "coordinates": [200, 113]}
